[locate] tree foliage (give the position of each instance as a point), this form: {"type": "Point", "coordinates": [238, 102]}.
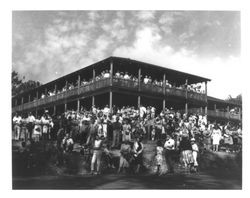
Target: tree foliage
{"type": "Point", "coordinates": [19, 85]}
{"type": "Point", "coordinates": [237, 99]}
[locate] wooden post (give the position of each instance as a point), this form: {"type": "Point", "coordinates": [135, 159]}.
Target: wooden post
{"type": "Point", "coordinates": [78, 105]}
{"type": "Point", "coordinates": [29, 98]}
{"type": "Point", "coordinates": [139, 79]}
{"type": "Point", "coordinates": [37, 95]}
{"type": "Point", "coordinates": [206, 97]}
{"type": "Point", "coordinates": [66, 84]}
{"type": "Point", "coordinates": [56, 88]}
{"type": "Point", "coordinates": [111, 73]}
{"type": "Point", "coordinates": [65, 107]}
{"type": "Point", "coordinates": [15, 102]}
{"type": "Point", "coordinates": [36, 112]}
{"type": "Point", "coordinates": [93, 100]}
{"type": "Point", "coordinates": [22, 100]}
{"type": "Point", "coordinates": [240, 113]}
{"type": "Point", "coordinates": [228, 112]}
{"type": "Point", "coordinates": [215, 107]}
{"type": "Point", "coordinates": [139, 101]}
{"type": "Point", "coordinates": [110, 101]}
{"type": "Point", "coordinates": [186, 108]}
{"type": "Point", "coordinates": [186, 96]}
{"type": "Point", "coordinates": [164, 104]}
{"type": "Point", "coordinates": [164, 84]}
{"type": "Point", "coordinates": [54, 111]}
{"type": "Point", "coordinates": [93, 74]}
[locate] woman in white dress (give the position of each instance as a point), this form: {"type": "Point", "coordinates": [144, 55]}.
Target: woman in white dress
{"type": "Point", "coordinates": [216, 137]}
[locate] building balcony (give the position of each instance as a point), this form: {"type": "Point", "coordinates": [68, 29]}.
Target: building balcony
{"type": "Point", "coordinates": [117, 82]}
{"type": "Point", "coordinates": [217, 114]}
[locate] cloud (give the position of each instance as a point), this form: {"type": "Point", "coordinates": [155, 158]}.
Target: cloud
{"type": "Point", "coordinates": [146, 48]}
{"type": "Point", "coordinates": [145, 15]}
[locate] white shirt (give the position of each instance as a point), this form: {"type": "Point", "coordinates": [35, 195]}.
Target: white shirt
{"type": "Point", "coordinates": [31, 118]}
{"type": "Point", "coordinates": [106, 75]}
{"type": "Point", "coordinates": [169, 144]}
{"type": "Point", "coordinates": [17, 119]}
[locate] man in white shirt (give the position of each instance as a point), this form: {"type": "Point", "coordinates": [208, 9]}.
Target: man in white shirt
{"type": "Point", "coordinates": [30, 124]}
{"type": "Point", "coordinates": [126, 76]}
{"type": "Point", "coordinates": [170, 151]}
{"type": "Point", "coordinates": [143, 111]}
{"type": "Point", "coordinates": [17, 122]}
{"type": "Point", "coordinates": [106, 75]}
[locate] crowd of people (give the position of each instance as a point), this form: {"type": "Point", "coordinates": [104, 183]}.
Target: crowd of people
{"type": "Point", "coordinates": [146, 79]}
{"type": "Point", "coordinates": [128, 129]}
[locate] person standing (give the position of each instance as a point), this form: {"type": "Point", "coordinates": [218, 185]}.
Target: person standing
{"type": "Point", "coordinates": [92, 132]}
{"type": "Point", "coordinates": [195, 151]}
{"type": "Point", "coordinates": [137, 153]}
{"type": "Point", "coordinates": [170, 151]}
{"type": "Point", "coordinates": [97, 154]}
{"type": "Point", "coordinates": [30, 124]}
{"type": "Point", "coordinates": [117, 127]}
{"type": "Point", "coordinates": [17, 126]}
{"type": "Point", "coordinates": [186, 152]}
{"type": "Point", "coordinates": [216, 137]}
{"type": "Point", "coordinates": [159, 157]}
{"type": "Point", "coordinates": [126, 131]}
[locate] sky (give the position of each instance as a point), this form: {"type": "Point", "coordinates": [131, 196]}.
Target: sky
{"type": "Point", "coordinates": [49, 44]}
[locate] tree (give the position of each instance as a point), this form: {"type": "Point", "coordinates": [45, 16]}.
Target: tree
{"type": "Point", "coordinates": [237, 99]}
{"type": "Point", "coordinates": [20, 86]}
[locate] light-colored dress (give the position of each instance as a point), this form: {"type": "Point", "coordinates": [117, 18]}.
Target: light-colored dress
{"type": "Point", "coordinates": [159, 155]}
{"type": "Point", "coordinates": [216, 136]}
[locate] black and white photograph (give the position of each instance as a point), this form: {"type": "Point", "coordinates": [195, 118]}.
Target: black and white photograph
{"type": "Point", "coordinates": [126, 99]}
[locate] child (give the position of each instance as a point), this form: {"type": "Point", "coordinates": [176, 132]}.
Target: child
{"type": "Point", "coordinates": [195, 151]}
{"type": "Point", "coordinates": [159, 156]}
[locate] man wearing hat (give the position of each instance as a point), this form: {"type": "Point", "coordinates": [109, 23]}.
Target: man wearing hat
{"type": "Point", "coordinates": [170, 151]}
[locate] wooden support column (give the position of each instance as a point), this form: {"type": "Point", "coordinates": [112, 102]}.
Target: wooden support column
{"type": "Point", "coordinates": [93, 100]}
{"type": "Point", "coordinates": [46, 92]}
{"type": "Point", "coordinates": [139, 79]}
{"type": "Point", "coordinates": [37, 95]}
{"type": "Point", "coordinates": [78, 105]}
{"type": "Point", "coordinates": [228, 112]}
{"type": "Point", "coordinates": [164, 84]}
{"type": "Point", "coordinates": [215, 107]}
{"type": "Point", "coordinates": [201, 110]}
{"type": "Point", "coordinates": [65, 107]}
{"type": "Point", "coordinates": [111, 72]}
{"type": "Point", "coordinates": [79, 81]}
{"type": "Point", "coordinates": [36, 112]}
{"type": "Point", "coordinates": [22, 100]}
{"type": "Point", "coordinates": [66, 84]}
{"type": "Point", "coordinates": [93, 74]}
{"type": "Point", "coordinates": [186, 96]}
{"type": "Point", "coordinates": [15, 102]}
{"type": "Point", "coordinates": [164, 91]}
{"type": "Point", "coordinates": [240, 113]}
{"type": "Point", "coordinates": [186, 108]}
{"type": "Point", "coordinates": [29, 98]}
{"type": "Point", "coordinates": [206, 97]}
{"type": "Point", "coordinates": [56, 88]}
{"type": "Point", "coordinates": [110, 101]}
{"type": "Point", "coordinates": [54, 110]}
{"type": "Point", "coordinates": [139, 102]}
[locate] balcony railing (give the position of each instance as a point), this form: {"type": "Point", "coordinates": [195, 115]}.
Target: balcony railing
{"type": "Point", "coordinates": [196, 96]}
{"type": "Point", "coordinates": [175, 92]}
{"type": "Point", "coordinates": [119, 82]}
{"type": "Point", "coordinates": [126, 83]}
{"type": "Point", "coordinates": [216, 114]}
{"type": "Point", "coordinates": [152, 88]}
